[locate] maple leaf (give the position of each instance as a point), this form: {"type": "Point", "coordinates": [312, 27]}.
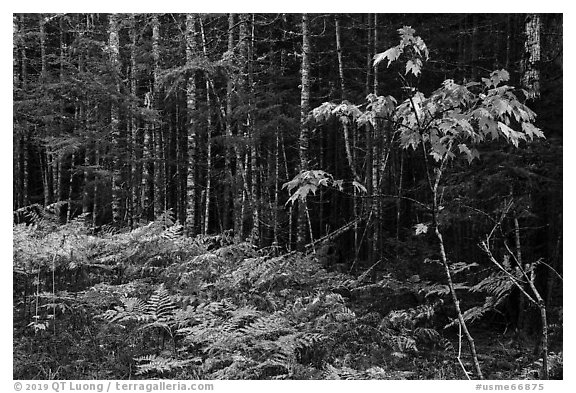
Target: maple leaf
{"type": "Point", "coordinates": [420, 228]}
{"type": "Point", "coordinates": [414, 66]}
{"type": "Point", "coordinates": [406, 31]}
{"type": "Point", "coordinates": [471, 154]}
{"type": "Point", "coordinates": [531, 130]}
{"type": "Point", "coordinates": [391, 54]}
{"type": "Point", "coordinates": [504, 129]}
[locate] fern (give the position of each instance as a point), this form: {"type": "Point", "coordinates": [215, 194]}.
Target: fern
{"type": "Point", "coordinates": [133, 309]}
{"type": "Point", "coordinates": [156, 312]}
{"type": "Point", "coordinates": [555, 367]}
{"type": "Point", "coordinates": [159, 364]}
{"type": "Point", "coordinates": [172, 232]}
{"type": "Point", "coordinates": [160, 307]}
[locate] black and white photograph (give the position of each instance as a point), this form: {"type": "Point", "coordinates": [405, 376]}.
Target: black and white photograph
{"type": "Point", "coordinates": [286, 196]}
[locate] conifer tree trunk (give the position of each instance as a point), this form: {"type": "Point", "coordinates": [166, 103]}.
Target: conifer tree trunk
{"type": "Point", "coordinates": [276, 188]}
{"type": "Point", "coordinates": [339, 53]}
{"type": "Point", "coordinates": [16, 170]}
{"type": "Point", "coordinates": [242, 189]}
{"type": "Point", "coordinates": [96, 199]}
{"type": "Point", "coordinates": [376, 81]}
{"type": "Point", "coordinates": [254, 171]}
{"type": "Point", "coordinates": [473, 45]}
{"type": "Point", "coordinates": [25, 171]}
{"type": "Point", "coordinates": [85, 190]}
{"type": "Point", "coordinates": [114, 47]}
{"type": "Point", "coordinates": [25, 140]}
{"type": "Point", "coordinates": [43, 68]}
{"type": "Point", "coordinates": [508, 41]}
{"type": "Point", "coordinates": [135, 134]}
{"type": "Point", "coordinates": [70, 187]}
{"type": "Point", "coordinates": [230, 180]}
{"type": "Point", "coordinates": [208, 140]}
{"type": "Point", "coordinates": [369, 55]}
{"type": "Point", "coordinates": [47, 190]}
{"type": "Point", "coordinates": [58, 166]}
{"type": "Point", "coordinates": [304, 138]}
{"type": "Point", "coordinates": [191, 124]}
{"type": "Point", "coordinates": [84, 125]}
{"type": "Point", "coordinates": [148, 165]}
{"type": "Point", "coordinates": [159, 158]}
{"type": "Point", "coordinates": [531, 66]}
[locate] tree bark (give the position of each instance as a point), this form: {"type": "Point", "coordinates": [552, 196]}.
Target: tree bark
{"type": "Point", "coordinates": [191, 53]}
{"type": "Point", "coordinates": [206, 223]}
{"type": "Point", "coordinates": [159, 157]}
{"type": "Point", "coordinates": [376, 81]}
{"type": "Point", "coordinates": [369, 55]}
{"type": "Point", "coordinates": [230, 179]}
{"type": "Point", "coordinates": [304, 138]}
{"type": "Point", "coordinates": [254, 170]}
{"type": "Point", "coordinates": [135, 134]}
{"type": "Point", "coordinates": [70, 187]}
{"type": "Point", "coordinates": [531, 64]}
{"type": "Point", "coordinates": [339, 53]}
{"type": "Point", "coordinates": [114, 47]}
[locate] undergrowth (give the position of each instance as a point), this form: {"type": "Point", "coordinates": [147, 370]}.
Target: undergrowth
{"type": "Point", "coordinates": [154, 303]}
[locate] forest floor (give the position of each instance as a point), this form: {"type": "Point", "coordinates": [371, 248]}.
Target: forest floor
{"type": "Point", "coordinates": [151, 303]}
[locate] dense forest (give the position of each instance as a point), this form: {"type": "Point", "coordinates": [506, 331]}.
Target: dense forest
{"type": "Point", "coordinates": [287, 196]}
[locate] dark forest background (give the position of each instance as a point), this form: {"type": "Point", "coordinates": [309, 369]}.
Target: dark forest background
{"type": "Point", "coordinates": [121, 120]}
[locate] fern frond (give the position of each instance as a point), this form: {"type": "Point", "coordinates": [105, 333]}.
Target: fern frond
{"type": "Point", "coordinates": [172, 232]}
{"type": "Point", "coordinates": [160, 305]}
{"type": "Point", "coordinates": [160, 364]}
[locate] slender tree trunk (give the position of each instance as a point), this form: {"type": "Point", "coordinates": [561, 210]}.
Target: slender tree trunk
{"type": "Point", "coordinates": [208, 140]}
{"type": "Point", "coordinates": [70, 187]}
{"type": "Point", "coordinates": [291, 208]}
{"type": "Point", "coordinates": [508, 41]}
{"type": "Point", "coordinates": [473, 45]}
{"type": "Point", "coordinates": [96, 201]}
{"type": "Point", "coordinates": [230, 180]}
{"type": "Point", "coordinates": [399, 199]}
{"type": "Point", "coordinates": [25, 137]}
{"type": "Point", "coordinates": [114, 45]}
{"type": "Point", "coordinates": [254, 170]}
{"type": "Point", "coordinates": [54, 170]}
{"type": "Point", "coordinates": [182, 161]}
{"type": "Point", "coordinates": [376, 81]}
{"type": "Point", "coordinates": [16, 145]}
{"type": "Point", "coordinates": [17, 172]}
{"type": "Point", "coordinates": [86, 173]}
{"type": "Point", "coordinates": [339, 53]}
{"type": "Point", "coordinates": [369, 55]}
{"type": "Point", "coordinates": [43, 67]}
{"type": "Point", "coordinates": [135, 134]}
{"type": "Point", "coordinates": [85, 189]}
{"type": "Point", "coordinates": [444, 260]}
{"type": "Point", "coordinates": [159, 159]}
{"type": "Point", "coordinates": [276, 188]}
{"type": "Point", "coordinates": [304, 138]}
{"type": "Point", "coordinates": [60, 157]}
{"type": "Point", "coordinates": [531, 64]}
{"type": "Point", "coordinates": [148, 165]}
{"type": "Point", "coordinates": [25, 171]}
{"type": "Point", "coordinates": [44, 175]}
{"type": "Point", "coordinates": [191, 126]}
{"type": "Point", "coordinates": [522, 300]}
{"type": "Point", "coordinates": [241, 156]}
